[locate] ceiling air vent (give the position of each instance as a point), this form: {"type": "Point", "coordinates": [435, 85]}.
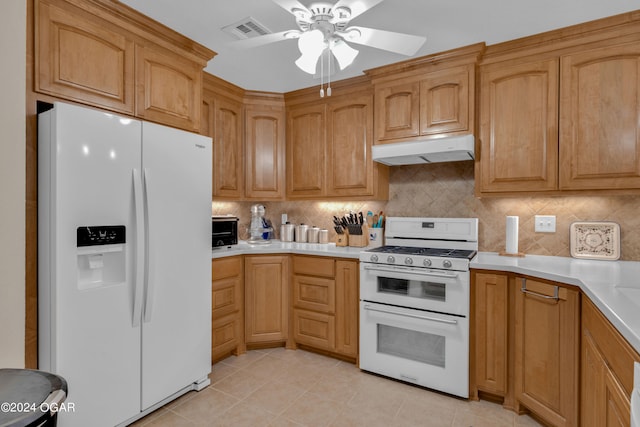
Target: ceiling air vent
{"type": "Point", "coordinates": [246, 28]}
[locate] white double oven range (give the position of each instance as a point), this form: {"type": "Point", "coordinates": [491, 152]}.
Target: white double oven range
{"type": "Point", "coordinates": [414, 302]}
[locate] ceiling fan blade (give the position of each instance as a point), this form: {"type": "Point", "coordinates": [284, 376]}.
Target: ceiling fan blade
{"type": "Point", "coordinates": [295, 8]}
{"type": "Point", "coordinates": [261, 40]}
{"type": "Point", "coordinates": [405, 44]}
{"type": "Point", "coordinates": [357, 7]}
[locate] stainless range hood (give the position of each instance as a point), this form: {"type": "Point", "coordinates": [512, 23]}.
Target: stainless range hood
{"type": "Point", "coordinates": [450, 149]}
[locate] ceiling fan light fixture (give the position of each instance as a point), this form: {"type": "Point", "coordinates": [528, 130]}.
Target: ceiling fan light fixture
{"type": "Point", "coordinates": [308, 63]}
{"type": "Point", "coordinates": [311, 41]}
{"type": "Point", "coordinates": [344, 53]}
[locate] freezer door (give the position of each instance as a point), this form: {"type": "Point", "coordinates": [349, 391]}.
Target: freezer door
{"type": "Point", "coordinates": [176, 335]}
{"type": "Point", "coordinates": [86, 327]}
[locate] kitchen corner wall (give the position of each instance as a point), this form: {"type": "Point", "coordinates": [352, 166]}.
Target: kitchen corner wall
{"type": "Point", "coordinates": [447, 190]}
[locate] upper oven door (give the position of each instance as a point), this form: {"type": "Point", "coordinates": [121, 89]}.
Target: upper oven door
{"type": "Point", "coordinates": [437, 290]}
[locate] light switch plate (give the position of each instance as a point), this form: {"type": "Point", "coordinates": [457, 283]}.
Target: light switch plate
{"type": "Point", "coordinates": [545, 224]}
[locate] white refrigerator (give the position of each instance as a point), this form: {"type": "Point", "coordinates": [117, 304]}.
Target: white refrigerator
{"type": "Point", "coordinates": [124, 262]}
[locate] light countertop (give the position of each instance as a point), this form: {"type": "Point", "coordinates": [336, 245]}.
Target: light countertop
{"type": "Point", "coordinates": [279, 247]}
{"type": "Point", "coordinates": [613, 286]}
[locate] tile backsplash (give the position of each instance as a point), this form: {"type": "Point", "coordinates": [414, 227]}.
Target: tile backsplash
{"type": "Point", "coordinates": [447, 190]}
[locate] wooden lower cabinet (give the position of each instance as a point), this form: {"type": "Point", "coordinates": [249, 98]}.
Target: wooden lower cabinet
{"type": "Point", "coordinates": [547, 345]}
{"type": "Point", "coordinates": [607, 372]}
{"type": "Point", "coordinates": [491, 321]}
{"type": "Point", "coordinates": [266, 298]}
{"type": "Point", "coordinates": [526, 345]}
{"type": "Point", "coordinates": [227, 289]}
{"type": "Point", "coordinates": [325, 304]}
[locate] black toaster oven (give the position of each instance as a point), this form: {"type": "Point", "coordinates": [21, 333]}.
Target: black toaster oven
{"type": "Point", "coordinates": [224, 231]}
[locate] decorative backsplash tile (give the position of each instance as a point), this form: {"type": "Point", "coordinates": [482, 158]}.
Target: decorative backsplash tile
{"type": "Point", "coordinates": [447, 190]}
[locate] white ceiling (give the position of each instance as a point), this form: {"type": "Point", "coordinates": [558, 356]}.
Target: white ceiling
{"type": "Point", "coordinates": [446, 24]}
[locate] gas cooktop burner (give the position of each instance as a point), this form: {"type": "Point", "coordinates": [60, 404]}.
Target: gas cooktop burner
{"type": "Point", "coordinates": [436, 252]}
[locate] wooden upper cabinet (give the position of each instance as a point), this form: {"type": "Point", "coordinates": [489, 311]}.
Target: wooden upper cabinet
{"type": "Point", "coordinates": [306, 150]}
{"type": "Point", "coordinates": [445, 101]}
{"type": "Point", "coordinates": [397, 110]}
{"type": "Point", "coordinates": [222, 121]}
{"type": "Point", "coordinates": [349, 140]}
{"type": "Point", "coordinates": [519, 127]}
{"type": "Point", "coordinates": [82, 59]}
{"type": "Point", "coordinates": [107, 55]}
{"type": "Point", "coordinates": [168, 87]}
{"type": "Point", "coordinates": [265, 152]}
{"type": "Point", "coordinates": [599, 123]}
{"type": "Point", "coordinates": [426, 97]}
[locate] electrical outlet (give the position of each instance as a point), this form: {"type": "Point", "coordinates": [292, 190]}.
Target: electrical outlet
{"type": "Point", "coordinates": [284, 218]}
{"type": "Point", "coordinates": [545, 224]}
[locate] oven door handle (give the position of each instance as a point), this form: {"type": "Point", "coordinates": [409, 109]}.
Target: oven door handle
{"type": "Point", "coordinates": [395, 269]}
{"type": "Point", "coordinates": [415, 316]}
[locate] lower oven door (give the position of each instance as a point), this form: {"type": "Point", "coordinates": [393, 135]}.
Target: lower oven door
{"type": "Point", "coordinates": [426, 289]}
{"type": "Point", "coordinates": [421, 347]}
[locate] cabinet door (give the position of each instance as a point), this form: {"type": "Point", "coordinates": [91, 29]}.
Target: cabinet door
{"type": "Point", "coordinates": [397, 113]}
{"type": "Point", "coordinates": [225, 116]}
{"type": "Point", "coordinates": [519, 127]}
{"type": "Point", "coordinates": [349, 140]}
{"type": "Point", "coordinates": [618, 405]}
{"type": "Point", "coordinates": [168, 88]}
{"type": "Point", "coordinates": [491, 322]}
{"type": "Point", "coordinates": [599, 125]}
{"type": "Point", "coordinates": [445, 101]}
{"type": "Point", "coordinates": [347, 299]}
{"type": "Point", "coordinates": [306, 151]}
{"type": "Point", "coordinates": [83, 59]}
{"type": "Point", "coordinates": [265, 145]}
{"type": "Point", "coordinates": [266, 298]}
{"type": "Point", "coordinates": [547, 351]}
{"type": "Point", "coordinates": [592, 396]}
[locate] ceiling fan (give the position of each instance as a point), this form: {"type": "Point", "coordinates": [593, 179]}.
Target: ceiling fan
{"type": "Point", "coordinates": [324, 30]}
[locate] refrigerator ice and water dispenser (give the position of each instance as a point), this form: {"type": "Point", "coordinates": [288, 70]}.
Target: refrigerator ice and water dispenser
{"type": "Point", "coordinates": [101, 255]}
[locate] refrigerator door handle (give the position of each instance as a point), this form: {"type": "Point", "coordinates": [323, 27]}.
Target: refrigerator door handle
{"type": "Point", "coordinates": [139, 255]}
{"type": "Point", "coordinates": [149, 284]}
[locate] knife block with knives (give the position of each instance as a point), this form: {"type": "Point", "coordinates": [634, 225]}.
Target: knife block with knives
{"type": "Point", "coordinates": [352, 230]}
{"type": "Point", "coordinates": [358, 235]}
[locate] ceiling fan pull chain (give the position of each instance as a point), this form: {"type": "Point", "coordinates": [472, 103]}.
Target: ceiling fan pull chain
{"type": "Point", "coordinates": [321, 77]}
{"type": "Point", "coordinates": [329, 73]}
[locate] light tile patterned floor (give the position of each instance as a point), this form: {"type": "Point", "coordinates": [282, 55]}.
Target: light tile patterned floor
{"type": "Point", "coordinates": [279, 387]}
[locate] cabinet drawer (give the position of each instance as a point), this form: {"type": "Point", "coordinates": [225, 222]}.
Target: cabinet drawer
{"type": "Point", "coordinates": [617, 353]}
{"type": "Point", "coordinates": [314, 293]}
{"type": "Point", "coordinates": [226, 267]}
{"type": "Point", "coordinates": [226, 334]}
{"type": "Point", "coordinates": [314, 329]}
{"type": "Point", "coordinates": [314, 266]}
{"type": "Point", "coordinates": [226, 297]}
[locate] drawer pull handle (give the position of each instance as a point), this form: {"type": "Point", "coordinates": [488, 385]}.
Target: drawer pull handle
{"type": "Point", "coordinates": [555, 295]}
